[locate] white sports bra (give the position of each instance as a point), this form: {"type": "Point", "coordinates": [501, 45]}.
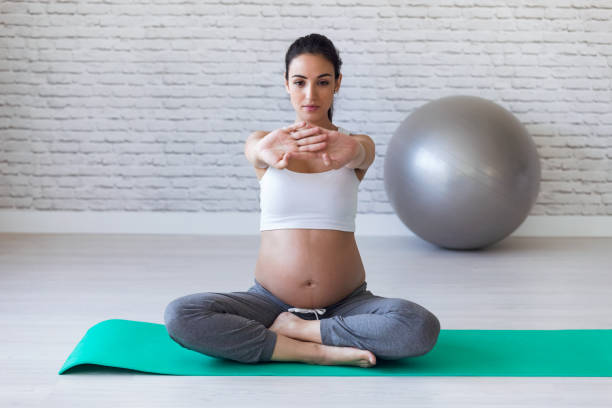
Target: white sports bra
{"type": "Point", "coordinates": [325, 200]}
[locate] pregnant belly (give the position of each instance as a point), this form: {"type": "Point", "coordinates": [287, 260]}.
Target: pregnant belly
{"type": "Point", "coordinates": [309, 268]}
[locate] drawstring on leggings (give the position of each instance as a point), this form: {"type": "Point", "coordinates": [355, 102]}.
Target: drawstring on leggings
{"type": "Point", "coordinates": [315, 311]}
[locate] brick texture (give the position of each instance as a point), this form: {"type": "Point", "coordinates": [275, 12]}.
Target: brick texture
{"type": "Point", "coordinates": [145, 106]}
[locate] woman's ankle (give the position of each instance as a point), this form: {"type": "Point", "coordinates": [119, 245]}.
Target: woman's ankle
{"type": "Point", "coordinates": [288, 349]}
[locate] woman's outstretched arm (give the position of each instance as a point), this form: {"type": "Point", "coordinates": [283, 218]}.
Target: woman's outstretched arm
{"type": "Point", "coordinates": [251, 153]}
{"type": "Point", "coordinates": [365, 155]}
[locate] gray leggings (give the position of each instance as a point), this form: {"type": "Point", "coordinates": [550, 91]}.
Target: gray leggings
{"type": "Point", "coordinates": [235, 325]}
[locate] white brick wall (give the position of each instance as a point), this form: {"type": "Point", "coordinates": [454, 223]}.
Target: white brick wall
{"type": "Point", "coordinates": [124, 106]}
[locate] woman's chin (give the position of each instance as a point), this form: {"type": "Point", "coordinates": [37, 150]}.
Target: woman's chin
{"type": "Point", "coordinates": [311, 118]}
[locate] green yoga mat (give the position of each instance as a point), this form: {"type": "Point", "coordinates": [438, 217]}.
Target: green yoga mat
{"type": "Point", "coordinates": [146, 347]}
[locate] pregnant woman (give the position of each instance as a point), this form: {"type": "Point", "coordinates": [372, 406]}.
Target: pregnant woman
{"type": "Point", "coordinates": [309, 302]}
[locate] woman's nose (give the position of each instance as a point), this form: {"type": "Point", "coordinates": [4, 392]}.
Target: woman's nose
{"type": "Point", "coordinates": [310, 90]}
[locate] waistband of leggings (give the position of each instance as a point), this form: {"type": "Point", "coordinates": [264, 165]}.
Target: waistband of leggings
{"type": "Point", "coordinates": [259, 288]}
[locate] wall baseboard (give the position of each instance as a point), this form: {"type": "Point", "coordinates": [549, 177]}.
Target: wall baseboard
{"type": "Point", "coordinates": [247, 223]}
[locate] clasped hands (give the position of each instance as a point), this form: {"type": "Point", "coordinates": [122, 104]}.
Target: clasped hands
{"type": "Point", "coordinates": [303, 141]}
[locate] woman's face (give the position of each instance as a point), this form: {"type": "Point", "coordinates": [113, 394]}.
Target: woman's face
{"type": "Point", "coordinates": [311, 82]}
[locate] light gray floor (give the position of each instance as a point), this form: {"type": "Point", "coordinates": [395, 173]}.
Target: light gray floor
{"type": "Point", "coordinates": [54, 287]}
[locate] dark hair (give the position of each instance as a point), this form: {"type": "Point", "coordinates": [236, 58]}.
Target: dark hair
{"type": "Point", "coordinates": [315, 44]}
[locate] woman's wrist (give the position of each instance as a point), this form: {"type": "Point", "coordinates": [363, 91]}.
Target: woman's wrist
{"type": "Point", "coordinates": [359, 157]}
{"type": "Point", "coordinates": [258, 162]}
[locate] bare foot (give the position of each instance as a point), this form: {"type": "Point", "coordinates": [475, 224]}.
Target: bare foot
{"type": "Point", "coordinates": [332, 355]}
{"type": "Point", "coordinates": [286, 324]}
{"type": "Point", "coordinates": [290, 325]}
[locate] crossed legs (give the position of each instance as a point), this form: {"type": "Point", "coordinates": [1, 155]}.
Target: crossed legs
{"type": "Point", "coordinates": [254, 327]}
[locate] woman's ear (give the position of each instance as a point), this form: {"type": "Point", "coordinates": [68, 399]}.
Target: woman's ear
{"type": "Point", "coordinates": [338, 83]}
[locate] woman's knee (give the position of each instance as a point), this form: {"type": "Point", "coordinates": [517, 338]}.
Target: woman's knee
{"type": "Point", "coordinates": [179, 312]}
{"type": "Point", "coordinates": [420, 327]}
{"type": "Point", "coordinates": [429, 332]}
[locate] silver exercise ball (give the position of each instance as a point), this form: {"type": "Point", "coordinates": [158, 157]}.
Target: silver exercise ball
{"type": "Point", "coordinates": [462, 172]}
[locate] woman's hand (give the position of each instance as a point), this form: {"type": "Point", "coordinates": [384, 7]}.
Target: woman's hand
{"type": "Point", "coordinates": [296, 141]}
{"type": "Point", "coordinates": [341, 148]}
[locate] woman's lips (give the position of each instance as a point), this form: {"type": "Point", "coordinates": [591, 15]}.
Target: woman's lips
{"type": "Point", "coordinates": [311, 108]}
